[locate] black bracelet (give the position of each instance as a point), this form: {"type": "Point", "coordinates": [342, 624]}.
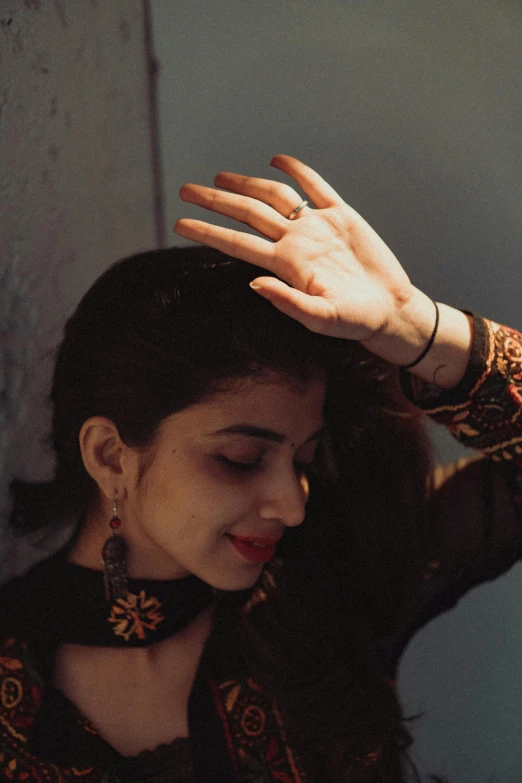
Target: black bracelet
{"type": "Point", "coordinates": [430, 342]}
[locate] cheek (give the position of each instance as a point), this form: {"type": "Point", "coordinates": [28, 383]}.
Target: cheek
{"type": "Point", "coordinates": [192, 510]}
{"type": "Point", "coordinates": [193, 498]}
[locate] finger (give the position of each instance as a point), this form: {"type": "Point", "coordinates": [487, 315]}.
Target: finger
{"type": "Point", "coordinates": [321, 193]}
{"type": "Point", "coordinates": [283, 198]}
{"type": "Point", "coordinates": [247, 210]}
{"type": "Point", "coordinates": [246, 247]}
{"type": "Point", "coordinates": [311, 311]}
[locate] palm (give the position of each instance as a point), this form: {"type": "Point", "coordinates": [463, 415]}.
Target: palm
{"type": "Point", "coordinates": [336, 276]}
{"type": "Point", "coordinates": [350, 277]}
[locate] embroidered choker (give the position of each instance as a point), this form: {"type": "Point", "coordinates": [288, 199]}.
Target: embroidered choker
{"type": "Point", "coordinates": [65, 603]}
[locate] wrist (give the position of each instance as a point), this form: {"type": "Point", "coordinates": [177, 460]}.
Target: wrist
{"type": "Point", "coordinates": [407, 333]}
{"type": "Point", "coordinates": [405, 342]}
{"type": "Point", "coordinates": [428, 345]}
{"type": "Point", "coordinates": [446, 362]}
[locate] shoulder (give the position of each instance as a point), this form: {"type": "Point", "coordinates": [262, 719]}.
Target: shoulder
{"type": "Point", "coordinates": [13, 674]}
{"type": "Point", "coordinates": [473, 508]}
{"type": "Point", "coordinates": [21, 684]}
{"type": "Point", "coordinates": [20, 697]}
{"type": "Point", "coordinates": [19, 690]}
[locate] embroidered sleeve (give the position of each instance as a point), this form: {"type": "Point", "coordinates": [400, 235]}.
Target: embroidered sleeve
{"type": "Point", "coordinates": [485, 410]}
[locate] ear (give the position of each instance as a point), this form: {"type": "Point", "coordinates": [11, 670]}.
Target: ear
{"type": "Point", "coordinates": [105, 455]}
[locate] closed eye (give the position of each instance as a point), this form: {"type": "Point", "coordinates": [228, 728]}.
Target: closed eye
{"type": "Point", "coordinates": [237, 467]}
{"type": "Point", "coordinates": [240, 467]}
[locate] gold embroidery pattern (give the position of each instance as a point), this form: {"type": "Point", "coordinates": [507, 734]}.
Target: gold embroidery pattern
{"type": "Point", "coordinates": [135, 615]}
{"type": "Point", "coordinates": [256, 735]}
{"type": "Point", "coordinates": [19, 704]}
{"type": "Point", "coordinates": [489, 419]}
{"type": "Point", "coordinates": [11, 693]}
{"type": "Point", "coordinates": [253, 720]}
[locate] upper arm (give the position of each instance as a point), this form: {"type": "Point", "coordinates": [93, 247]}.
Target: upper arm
{"type": "Point", "coordinates": [474, 520]}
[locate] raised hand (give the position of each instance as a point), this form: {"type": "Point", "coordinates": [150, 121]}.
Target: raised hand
{"type": "Point", "coordinates": [336, 275]}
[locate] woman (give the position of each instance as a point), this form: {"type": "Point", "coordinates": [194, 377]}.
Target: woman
{"type": "Point", "coordinates": [257, 535]}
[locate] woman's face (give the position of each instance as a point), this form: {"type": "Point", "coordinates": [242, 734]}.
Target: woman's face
{"type": "Point", "coordinates": [224, 479]}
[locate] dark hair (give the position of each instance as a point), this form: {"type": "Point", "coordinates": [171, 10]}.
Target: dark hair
{"type": "Point", "coordinates": [155, 333]}
{"type": "Point", "coordinates": [162, 330]}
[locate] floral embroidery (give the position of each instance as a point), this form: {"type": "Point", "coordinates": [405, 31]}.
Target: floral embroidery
{"type": "Point", "coordinates": [255, 734]}
{"type": "Point", "coordinates": [135, 614]}
{"type": "Point", "coordinates": [20, 699]}
{"type": "Point", "coordinates": [11, 693]}
{"type": "Point", "coordinates": [253, 721]}
{"type": "Point", "coordinates": [489, 419]}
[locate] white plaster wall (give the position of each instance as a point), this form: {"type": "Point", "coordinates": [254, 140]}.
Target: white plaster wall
{"type": "Point", "coordinates": [76, 193]}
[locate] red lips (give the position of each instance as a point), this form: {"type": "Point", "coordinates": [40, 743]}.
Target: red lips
{"type": "Point", "coordinates": [254, 548]}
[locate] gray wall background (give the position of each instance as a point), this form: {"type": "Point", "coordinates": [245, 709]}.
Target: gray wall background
{"type": "Point", "coordinates": [412, 110]}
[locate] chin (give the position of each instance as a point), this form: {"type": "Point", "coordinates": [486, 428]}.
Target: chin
{"type": "Point", "coordinates": [239, 581]}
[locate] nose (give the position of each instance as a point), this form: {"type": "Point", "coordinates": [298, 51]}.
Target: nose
{"type": "Point", "coordinates": [284, 499]}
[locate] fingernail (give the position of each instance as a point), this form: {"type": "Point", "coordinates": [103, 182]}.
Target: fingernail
{"type": "Point", "coordinates": [254, 285]}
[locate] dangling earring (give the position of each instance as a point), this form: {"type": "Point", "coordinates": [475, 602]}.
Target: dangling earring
{"type": "Point", "coordinates": [114, 555]}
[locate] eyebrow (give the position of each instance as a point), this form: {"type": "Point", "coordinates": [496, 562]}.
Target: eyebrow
{"type": "Point", "coordinates": [261, 432]}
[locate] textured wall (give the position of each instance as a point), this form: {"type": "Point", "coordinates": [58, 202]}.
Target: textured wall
{"type": "Point", "coordinates": [76, 193]}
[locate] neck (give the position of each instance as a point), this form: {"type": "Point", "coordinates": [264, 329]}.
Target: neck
{"type": "Point", "coordinates": [148, 612]}
{"type": "Point", "coordinates": [147, 658]}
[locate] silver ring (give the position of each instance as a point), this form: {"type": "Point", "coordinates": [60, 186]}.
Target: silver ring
{"type": "Point", "coordinates": [297, 210]}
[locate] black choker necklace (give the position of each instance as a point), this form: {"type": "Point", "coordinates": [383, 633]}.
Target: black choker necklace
{"type": "Point", "coordinates": [65, 604]}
